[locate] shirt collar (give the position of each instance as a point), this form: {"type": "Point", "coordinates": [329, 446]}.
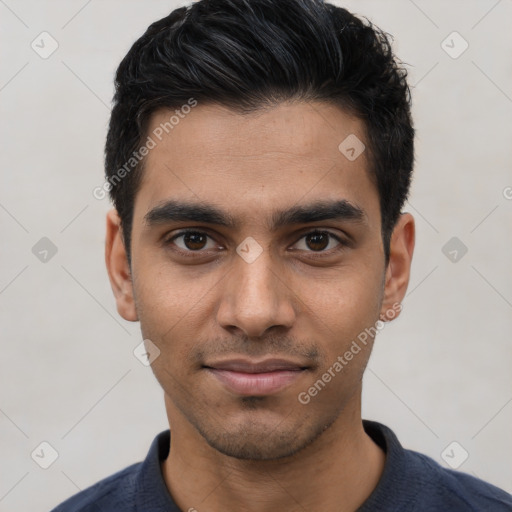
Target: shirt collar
{"type": "Point", "coordinates": [152, 494]}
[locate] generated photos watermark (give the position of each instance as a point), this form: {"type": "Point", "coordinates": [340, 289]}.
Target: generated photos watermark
{"type": "Point", "coordinates": [304, 397]}
{"type": "Point", "coordinates": [152, 141]}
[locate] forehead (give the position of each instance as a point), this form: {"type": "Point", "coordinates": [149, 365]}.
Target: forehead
{"type": "Point", "coordinates": [284, 155]}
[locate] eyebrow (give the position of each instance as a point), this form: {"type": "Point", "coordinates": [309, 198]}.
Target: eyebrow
{"type": "Point", "coordinates": [175, 211]}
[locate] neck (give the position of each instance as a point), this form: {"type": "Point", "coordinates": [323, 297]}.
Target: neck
{"type": "Point", "coordinates": [337, 472]}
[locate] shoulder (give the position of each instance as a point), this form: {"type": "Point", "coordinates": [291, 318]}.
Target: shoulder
{"type": "Point", "coordinates": [414, 482]}
{"type": "Point", "coordinates": [130, 489]}
{"type": "Point", "coordinates": [113, 493]}
{"type": "Point", "coordinates": [458, 491]}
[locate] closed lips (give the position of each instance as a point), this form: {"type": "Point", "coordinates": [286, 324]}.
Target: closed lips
{"type": "Point", "coordinates": [249, 378]}
{"type": "Point", "coordinates": [244, 366]}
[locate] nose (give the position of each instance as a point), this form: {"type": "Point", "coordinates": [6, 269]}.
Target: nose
{"type": "Point", "coordinates": [255, 297]}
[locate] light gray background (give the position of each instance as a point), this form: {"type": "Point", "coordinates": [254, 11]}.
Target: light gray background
{"type": "Point", "coordinates": [440, 373]}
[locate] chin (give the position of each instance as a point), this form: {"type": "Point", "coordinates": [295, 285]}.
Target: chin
{"type": "Point", "coordinates": [259, 440]}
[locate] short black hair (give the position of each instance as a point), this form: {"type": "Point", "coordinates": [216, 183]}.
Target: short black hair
{"type": "Point", "coordinates": [253, 54]}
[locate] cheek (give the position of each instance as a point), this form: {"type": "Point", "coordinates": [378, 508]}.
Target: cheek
{"type": "Point", "coordinates": [345, 313]}
{"type": "Point", "coordinates": [171, 306]}
{"type": "Point", "coordinates": [164, 292]}
{"type": "Point", "coordinates": [344, 304]}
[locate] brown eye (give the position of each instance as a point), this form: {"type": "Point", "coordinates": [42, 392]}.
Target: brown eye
{"type": "Point", "coordinates": [320, 242]}
{"type": "Point", "coordinates": [194, 241]}
{"type": "Point", "coordinates": [191, 241]}
{"type": "Point", "coordinates": [317, 241]}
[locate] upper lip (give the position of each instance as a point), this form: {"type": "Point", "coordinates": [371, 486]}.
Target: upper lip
{"type": "Point", "coordinates": [247, 366]}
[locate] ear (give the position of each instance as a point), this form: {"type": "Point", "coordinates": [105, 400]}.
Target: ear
{"type": "Point", "coordinates": [399, 267]}
{"type": "Point", "coordinates": [118, 268]}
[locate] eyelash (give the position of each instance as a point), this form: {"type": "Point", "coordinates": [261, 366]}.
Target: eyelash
{"type": "Point", "coordinates": [342, 244]}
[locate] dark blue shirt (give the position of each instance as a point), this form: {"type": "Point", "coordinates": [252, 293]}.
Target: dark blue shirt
{"type": "Point", "coordinates": [411, 482]}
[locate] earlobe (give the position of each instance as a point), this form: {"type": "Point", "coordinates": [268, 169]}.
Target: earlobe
{"type": "Point", "coordinates": [118, 268]}
{"type": "Point", "coordinates": [399, 267]}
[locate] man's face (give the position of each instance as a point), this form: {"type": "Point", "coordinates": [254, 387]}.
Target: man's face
{"type": "Point", "coordinates": [249, 316]}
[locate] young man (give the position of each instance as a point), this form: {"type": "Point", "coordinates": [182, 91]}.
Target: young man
{"type": "Point", "coordinates": [258, 157]}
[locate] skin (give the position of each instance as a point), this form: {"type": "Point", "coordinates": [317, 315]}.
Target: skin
{"type": "Point", "coordinates": [298, 301]}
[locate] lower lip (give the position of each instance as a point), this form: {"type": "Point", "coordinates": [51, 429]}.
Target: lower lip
{"type": "Point", "coordinates": [256, 384]}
